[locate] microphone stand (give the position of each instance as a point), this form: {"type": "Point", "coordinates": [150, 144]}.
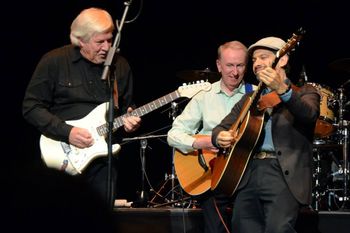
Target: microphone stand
{"type": "Point", "coordinates": [109, 68]}
{"type": "Point", "coordinates": [173, 115]}
{"type": "Point", "coordinates": [143, 195]}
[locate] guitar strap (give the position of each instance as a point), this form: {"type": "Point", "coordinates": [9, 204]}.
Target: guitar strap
{"type": "Point", "coordinates": [248, 87]}
{"type": "Point", "coordinates": [268, 101]}
{"type": "Point", "coordinates": [271, 99]}
{"type": "Point", "coordinates": [115, 94]}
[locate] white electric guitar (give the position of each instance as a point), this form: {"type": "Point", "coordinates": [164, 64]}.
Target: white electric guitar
{"type": "Point", "coordinates": [73, 160]}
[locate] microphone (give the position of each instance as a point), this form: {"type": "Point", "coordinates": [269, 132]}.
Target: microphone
{"type": "Point", "coordinates": [303, 77]}
{"type": "Point", "coordinates": [347, 104]}
{"type": "Point", "coordinates": [108, 62]}
{"type": "Point", "coordinates": [339, 172]}
{"type": "Point", "coordinates": [303, 74]}
{"type": "Point", "coordinates": [346, 83]}
{"type": "Point", "coordinates": [174, 109]}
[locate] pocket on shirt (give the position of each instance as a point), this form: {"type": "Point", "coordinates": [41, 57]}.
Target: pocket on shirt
{"type": "Point", "coordinates": [70, 83]}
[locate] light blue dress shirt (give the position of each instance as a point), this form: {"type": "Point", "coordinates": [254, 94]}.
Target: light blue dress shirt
{"type": "Point", "coordinates": [203, 112]}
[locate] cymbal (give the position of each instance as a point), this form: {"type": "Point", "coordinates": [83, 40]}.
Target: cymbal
{"type": "Point", "coordinates": [340, 65]}
{"type": "Point", "coordinates": [342, 68]}
{"type": "Point", "coordinates": [194, 75]}
{"type": "Point", "coordinates": [329, 146]}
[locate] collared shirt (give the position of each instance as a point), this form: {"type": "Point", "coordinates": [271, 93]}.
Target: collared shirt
{"type": "Point", "coordinates": [204, 111]}
{"type": "Point", "coordinates": [66, 86]}
{"type": "Point", "coordinates": [267, 144]}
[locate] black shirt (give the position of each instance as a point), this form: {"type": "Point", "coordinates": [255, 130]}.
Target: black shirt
{"type": "Point", "coordinates": [66, 86]}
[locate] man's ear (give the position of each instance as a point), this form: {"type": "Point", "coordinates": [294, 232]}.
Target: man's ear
{"type": "Point", "coordinates": [218, 65]}
{"type": "Point", "coordinates": [81, 43]}
{"type": "Point", "coordinates": [283, 61]}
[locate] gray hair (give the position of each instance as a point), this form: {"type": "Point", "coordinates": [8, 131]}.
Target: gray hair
{"type": "Point", "coordinates": [89, 22]}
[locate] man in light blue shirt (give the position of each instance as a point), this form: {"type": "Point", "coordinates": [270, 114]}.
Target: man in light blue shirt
{"type": "Point", "coordinates": [203, 112]}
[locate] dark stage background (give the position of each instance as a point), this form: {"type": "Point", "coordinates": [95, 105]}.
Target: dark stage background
{"type": "Point", "coordinates": [166, 38]}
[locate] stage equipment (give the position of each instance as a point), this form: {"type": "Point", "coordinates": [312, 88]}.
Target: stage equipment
{"type": "Point", "coordinates": [331, 150]}
{"type": "Point", "coordinates": [143, 195]}
{"type": "Point", "coordinates": [195, 75]}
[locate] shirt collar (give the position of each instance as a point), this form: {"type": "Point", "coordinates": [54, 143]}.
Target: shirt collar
{"type": "Point", "coordinates": [75, 53]}
{"type": "Point", "coordinates": [217, 88]}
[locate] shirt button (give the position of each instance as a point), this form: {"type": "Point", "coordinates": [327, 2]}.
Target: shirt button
{"type": "Point", "coordinates": [286, 173]}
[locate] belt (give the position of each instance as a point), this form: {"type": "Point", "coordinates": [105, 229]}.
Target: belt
{"type": "Point", "coordinates": [265, 155]}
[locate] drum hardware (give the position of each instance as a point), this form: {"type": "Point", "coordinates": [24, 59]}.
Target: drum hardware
{"type": "Point", "coordinates": [334, 186]}
{"type": "Point", "coordinates": [143, 195]}
{"type": "Point", "coordinates": [327, 177]}
{"type": "Point", "coordinates": [187, 202]}
{"type": "Point", "coordinates": [195, 75]}
{"type": "Point", "coordinates": [170, 192]}
{"type": "Point", "coordinates": [172, 176]}
{"type": "Point", "coordinates": [334, 200]}
{"type": "Point", "coordinates": [332, 138]}
{"type": "Point", "coordinates": [343, 126]}
{"type": "Point", "coordinates": [317, 192]}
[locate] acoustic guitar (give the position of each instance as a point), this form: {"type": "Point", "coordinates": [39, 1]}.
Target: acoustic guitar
{"type": "Point", "coordinates": [193, 170]}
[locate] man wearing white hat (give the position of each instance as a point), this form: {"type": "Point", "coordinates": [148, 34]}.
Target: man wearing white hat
{"type": "Point", "coordinates": [278, 178]}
